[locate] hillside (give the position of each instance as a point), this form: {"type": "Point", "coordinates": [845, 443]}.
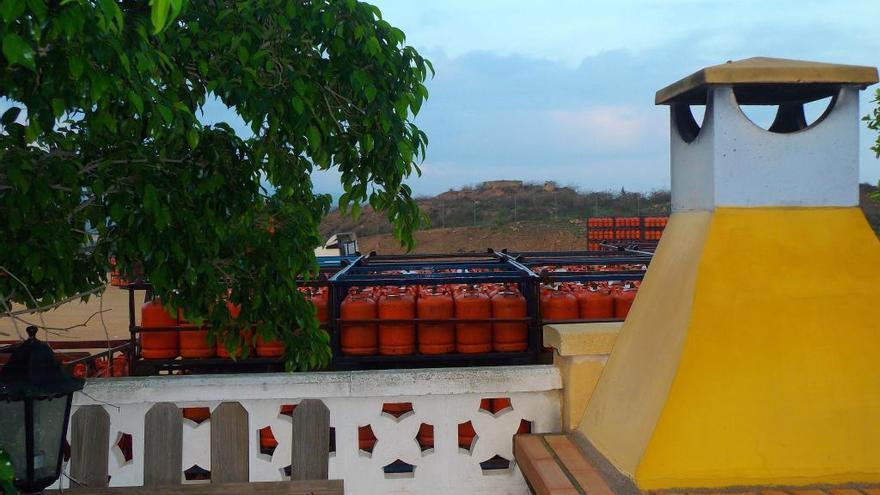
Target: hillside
{"type": "Point", "coordinates": [516, 215]}
{"type": "Point", "coordinates": [499, 203]}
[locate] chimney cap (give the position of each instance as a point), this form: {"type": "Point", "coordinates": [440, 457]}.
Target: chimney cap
{"type": "Point", "coordinates": [764, 80]}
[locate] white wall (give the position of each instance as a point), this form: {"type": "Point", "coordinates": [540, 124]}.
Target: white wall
{"type": "Point", "coordinates": [441, 397]}
{"type": "Point", "coordinates": [734, 162]}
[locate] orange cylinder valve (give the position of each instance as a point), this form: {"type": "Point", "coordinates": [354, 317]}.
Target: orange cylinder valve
{"type": "Point", "coordinates": [358, 339]}
{"type": "Point", "coordinates": [475, 337]}
{"type": "Point", "coordinates": [509, 337]}
{"type": "Point", "coordinates": [623, 301]}
{"type": "Point", "coordinates": [157, 345]}
{"type": "Point", "coordinates": [436, 338]}
{"type": "Point", "coordinates": [397, 338]}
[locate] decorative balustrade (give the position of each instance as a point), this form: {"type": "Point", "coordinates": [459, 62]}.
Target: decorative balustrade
{"type": "Point", "coordinates": [413, 431]}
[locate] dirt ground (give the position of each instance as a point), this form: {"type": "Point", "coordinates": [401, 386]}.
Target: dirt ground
{"type": "Point", "coordinates": [82, 316]}
{"type": "Point", "coordinates": [514, 237]}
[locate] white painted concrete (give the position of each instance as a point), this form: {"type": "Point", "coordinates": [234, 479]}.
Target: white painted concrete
{"type": "Point", "coordinates": [733, 162]}
{"type": "Point", "coordinates": [440, 397]}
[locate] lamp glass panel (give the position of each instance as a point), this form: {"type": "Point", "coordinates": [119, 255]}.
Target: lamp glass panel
{"type": "Point", "coordinates": [49, 416]}
{"type": "Point", "coordinates": [12, 436]}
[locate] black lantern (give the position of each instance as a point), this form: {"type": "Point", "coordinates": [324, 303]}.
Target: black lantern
{"type": "Point", "coordinates": [35, 397]}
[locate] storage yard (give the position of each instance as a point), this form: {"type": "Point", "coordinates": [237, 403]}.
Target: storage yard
{"type": "Point", "coordinates": [381, 311]}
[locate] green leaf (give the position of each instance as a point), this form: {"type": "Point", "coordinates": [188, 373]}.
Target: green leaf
{"type": "Point", "coordinates": [367, 143]}
{"type": "Point", "coordinates": [111, 10]}
{"type": "Point", "coordinates": [76, 66]}
{"type": "Point", "coordinates": [192, 136]}
{"type": "Point", "coordinates": [11, 10]}
{"type": "Point", "coordinates": [137, 101]}
{"type": "Point", "coordinates": [58, 107]}
{"type": "Point", "coordinates": [116, 211]}
{"type": "Point", "coordinates": [298, 105]}
{"type": "Point", "coordinates": [165, 112]}
{"type": "Point", "coordinates": [314, 137]}
{"type": "Point", "coordinates": [17, 51]}
{"type": "Point", "coordinates": [159, 10]}
{"type": "Point", "coordinates": [373, 47]}
{"type": "Point", "coordinates": [38, 7]}
{"type": "Point", "coordinates": [7, 473]}
{"type": "Point", "coordinates": [17, 179]}
{"type": "Point", "coordinates": [151, 202]}
{"type": "Point", "coordinates": [370, 92]}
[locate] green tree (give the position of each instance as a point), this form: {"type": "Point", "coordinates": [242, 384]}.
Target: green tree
{"type": "Point", "coordinates": [873, 120]}
{"type": "Point", "coordinates": [103, 153]}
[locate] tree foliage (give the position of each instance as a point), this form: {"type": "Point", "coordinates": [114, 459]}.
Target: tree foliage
{"type": "Point", "coordinates": [103, 153]}
{"type": "Point", "coordinates": [873, 120]}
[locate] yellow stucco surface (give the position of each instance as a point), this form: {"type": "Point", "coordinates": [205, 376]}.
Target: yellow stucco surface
{"type": "Point", "coordinates": [579, 377]}
{"type": "Point", "coordinates": [632, 390]}
{"type": "Point", "coordinates": [580, 353]}
{"type": "Point", "coordinates": [779, 378]}
{"type": "Point", "coordinates": [582, 339]}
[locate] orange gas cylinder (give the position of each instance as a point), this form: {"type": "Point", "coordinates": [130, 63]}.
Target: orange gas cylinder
{"type": "Point", "coordinates": [557, 305]}
{"type": "Point", "coordinates": [321, 302]}
{"type": "Point", "coordinates": [623, 300]}
{"type": "Point", "coordinates": [595, 304]}
{"type": "Point", "coordinates": [358, 339]}
{"type": "Point", "coordinates": [101, 368]}
{"type": "Point", "coordinates": [80, 370]}
{"type": "Point", "coordinates": [436, 338]}
{"type": "Point", "coordinates": [425, 436]}
{"type": "Point", "coordinates": [268, 443]}
{"type": "Point", "coordinates": [397, 338]}
{"type": "Point", "coordinates": [194, 342]}
{"type": "Point", "coordinates": [157, 345]}
{"type": "Point", "coordinates": [120, 366]}
{"type": "Point", "coordinates": [245, 336]}
{"type": "Point", "coordinates": [499, 404]}
{"type": "Point", "coordinates": [366, 438]}
{"type": "Point", "coordinates": [473, 338]}
{"type": "Point", "coordinates": [509, 337]}
{"type": "Point", "coordinates": [269, 348]}
{"type": "Point", "coordinates": [466, 434]}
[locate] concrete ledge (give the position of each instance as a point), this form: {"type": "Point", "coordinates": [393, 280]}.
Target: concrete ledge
{"type": "Point", "coordinates": [582, 339]}
{"type": "Point", "coordinates": [384, 383]}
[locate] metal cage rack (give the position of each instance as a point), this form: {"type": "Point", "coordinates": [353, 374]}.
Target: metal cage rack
{"type": "Point", "coordinates": [436, 269]}
{"type": "Point", "coordinates": [341, 274]}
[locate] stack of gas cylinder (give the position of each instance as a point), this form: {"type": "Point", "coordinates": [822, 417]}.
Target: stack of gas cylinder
{"type": "Point", "coordinates": [601, 229]}
{"type": "Point", "coordinates": [595, 301]}
{"type": "Point", "coordinates": [100, 368]}
{"type": "Point", "coordinates": [190, 341]}
{"type": "Point", "coordinates": [380, 320]}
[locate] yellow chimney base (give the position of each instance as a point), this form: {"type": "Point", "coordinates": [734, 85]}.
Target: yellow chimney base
{"type": "Point", "coordinates": [759, 358]}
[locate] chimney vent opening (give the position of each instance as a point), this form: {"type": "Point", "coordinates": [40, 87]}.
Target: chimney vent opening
{"type": "Point", "coordinates": [787, 117]}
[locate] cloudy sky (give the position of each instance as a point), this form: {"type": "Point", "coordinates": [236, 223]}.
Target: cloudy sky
{"type": "Point", "coordinates": [563, 90]}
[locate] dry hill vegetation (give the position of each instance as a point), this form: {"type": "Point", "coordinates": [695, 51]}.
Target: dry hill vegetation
{"type": "Point", "coordinates": [517, 216]}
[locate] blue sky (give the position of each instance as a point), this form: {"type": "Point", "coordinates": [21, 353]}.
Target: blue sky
{"type": "Point", "coordinates": [564, 90]}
